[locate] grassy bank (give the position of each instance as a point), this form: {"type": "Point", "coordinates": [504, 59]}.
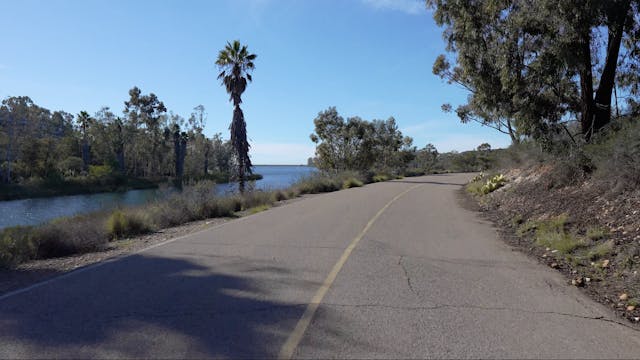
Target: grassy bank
{"type": "Point", "coordinates": [91, 232]}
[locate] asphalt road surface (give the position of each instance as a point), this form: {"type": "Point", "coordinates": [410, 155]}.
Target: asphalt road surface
{"type": "Point", "coordinates": [390, 270]}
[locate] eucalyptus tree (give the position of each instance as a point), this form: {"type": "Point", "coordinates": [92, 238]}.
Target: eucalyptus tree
{"type": "Point", "coordinates": [532, 65]}
{"type": "Point", "coordinates": [145, 119]}
{"type": "Point", "coordinates": [236, 63]}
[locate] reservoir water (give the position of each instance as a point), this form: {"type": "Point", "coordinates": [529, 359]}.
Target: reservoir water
{"type": "Point", "coordinates": [39, 210]}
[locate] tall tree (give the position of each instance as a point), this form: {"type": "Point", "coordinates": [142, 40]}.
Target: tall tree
{"type": "Point", "coordinates": [532, 64]}
{"type": "Point", "coordinates": [236, 63]}
{"type": "Point", "coordinates": [146, 112]}
{"type": "Point", "coordinates": [84, 122]}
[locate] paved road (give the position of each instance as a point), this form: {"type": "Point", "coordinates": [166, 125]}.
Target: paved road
{"type": "Point", "coordinates": [390, 270]}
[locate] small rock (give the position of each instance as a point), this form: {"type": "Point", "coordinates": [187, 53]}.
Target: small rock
{"type": "Point", "coordinates": [636, 318]}
{"type": "Point", "coordinates": [574, 272]}
{"type": "Point", "coordinates": [554, 265]}
{"type": "Point", "coordinates": [631, 308]}
{"type": "Point", "coordinates": [593, 264]}
{"type": "Point", "coordinates": [544, 255]}
{"type": "Point", "coordinates": [548, 249]}
{"type": "Point", "coordinates": [577, 282]}
{"type": "Point", "coordinates": [554, 251]}
{"type": "Point", "coordinates": [587, 280]}
{"type": "Point", "coordinates": [623, 297]}
{"type": "Point", "coordinates": [605, 263]}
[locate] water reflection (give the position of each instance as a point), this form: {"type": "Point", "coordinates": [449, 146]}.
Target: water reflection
{"type": "Point", "coordinates": [39, 210]}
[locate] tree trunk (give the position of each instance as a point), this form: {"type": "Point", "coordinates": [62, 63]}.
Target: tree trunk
{"type": "Point", "coordinates": [512, 134]}
{"type": "Point", "coordinates": [86, 155]}
{"type": "Point", "coordinates": [241, 146]}
{"type": "Point", "coordinates": [586, 86]}
{"type": "Point", "coordinates": [608, 77]}
{"type": "Point", "coordinates": [207, 149]}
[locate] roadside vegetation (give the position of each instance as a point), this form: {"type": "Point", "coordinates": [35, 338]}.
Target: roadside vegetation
{"type": "Point", "coordinates": [571, 189]}
{"type": "Point", "coordinates": [92, 232]}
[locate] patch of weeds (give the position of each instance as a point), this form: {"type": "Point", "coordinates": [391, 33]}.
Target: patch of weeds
{"type": "Point", "coordinates": [475, 187]}
{"type": "Point", "coordinates": [257, 209]}
{"type": "Point", "coordinates": [517, 220]}
{"type": "Point", "coordinates": [380, 178]}
{"type": "Point", "coordinates": [600, 250]}
{"type": "Point", "coordinates": [597, 233]}
{"type": "Point", "coordinates": [351, 182]}
{"type": "Point", "coordinates": [551, 233]}
{"type": "Point", "coordinates": [527, 227]}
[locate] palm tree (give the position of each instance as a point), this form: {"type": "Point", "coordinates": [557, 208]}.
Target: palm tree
{"type": "Point", "coordinates": [236, 63]}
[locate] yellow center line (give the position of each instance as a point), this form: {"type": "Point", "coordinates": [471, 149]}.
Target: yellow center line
{"type": "Point", "coordinates": [286, 352]}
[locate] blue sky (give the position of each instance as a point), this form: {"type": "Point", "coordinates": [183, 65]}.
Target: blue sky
{"type": "Point", "coordinates": [370, 58]}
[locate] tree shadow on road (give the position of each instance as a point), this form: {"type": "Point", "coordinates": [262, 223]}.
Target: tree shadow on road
{"type": "Point", "coordinates": [144, 306]}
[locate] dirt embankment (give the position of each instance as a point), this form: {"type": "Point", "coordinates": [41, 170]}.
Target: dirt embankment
{"type": "Point", "coordinates": [588, 231]}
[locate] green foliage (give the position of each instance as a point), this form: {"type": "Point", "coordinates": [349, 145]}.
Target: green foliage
{"type": "Point", "coordinates": [616, 154]}
{"type": "Point", "coordinates": [16, 245]}
{"type": "Point", "coordinates": [46, 153]}
{"type": "Point", "coordinates": [475, 187]}
{"type": "Point", "coordinates": [126, 223]}
{"type": "Point", "coordinates": [381, 178]}
{"type": "Point", "coordinates": [600, 250]}
{"type": "Point", "coordinates": [551, 233]}
{"type": "Point", "coordinates": [359, 145]}
{"type": "Point", "coordinates": [257, 209]}
{"type": "Point", "coordinates": [351, 182]}
{"type": "Point", "coordinates": [525, 75]}
{"type": "Point", "coordinates": [597, 233]}
{"type": "Point", "coordinates": [100, 171]}
{"type": "Point", "coordinates": [413, 172]}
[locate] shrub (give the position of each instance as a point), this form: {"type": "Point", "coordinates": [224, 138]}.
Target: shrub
{"type": "Point", "coordinates": [351, 182]}
{"type": "Point", "coordinates": [127, 223]}
{"type": "Point", "coordinates": [16, 245]}
{"type": "Point", "coordinates": [257, 209]}
{"type": "Point", "coordinates": [280, 195]}
{"type": "Point", "coordinates": [617, 154]}
{"type": "Point", "coordinates": [380, 178]}
{"type": "Point", "coordinates": [68, 236]}
{"type": "Point", "coordinates": [413, 172]}
{"type": "Point", "coordinates": [100, 171]}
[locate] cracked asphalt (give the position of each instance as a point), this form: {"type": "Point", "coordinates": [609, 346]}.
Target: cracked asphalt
{"type": "Point", "coordinates": [429, 279]}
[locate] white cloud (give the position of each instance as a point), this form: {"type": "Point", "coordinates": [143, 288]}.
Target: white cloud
{"type": "Point", "coordinates": [412, 7]}
{"type": "Point", "coordinates": [281, 153]}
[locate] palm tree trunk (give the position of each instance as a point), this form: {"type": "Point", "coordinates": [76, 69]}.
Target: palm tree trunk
{"type": "Point", "coordinates": [240, 145]}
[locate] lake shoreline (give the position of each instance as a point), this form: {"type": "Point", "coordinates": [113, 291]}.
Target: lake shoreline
{"type": "Point", "coordinates": [13, 192]}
